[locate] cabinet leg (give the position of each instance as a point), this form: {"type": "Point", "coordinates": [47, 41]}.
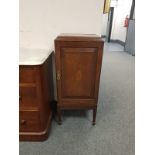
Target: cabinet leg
{"type": "Point", "coordinates": [59, 117]}
{"type": "Point", "coordinates": [94, 116]}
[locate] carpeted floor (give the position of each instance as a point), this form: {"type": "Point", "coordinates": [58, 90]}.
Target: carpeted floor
{"type": "Point", "coordinates": [113, 133]}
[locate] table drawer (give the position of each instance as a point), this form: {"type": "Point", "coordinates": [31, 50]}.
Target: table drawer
{"type": "Point", "coordinates": [29, 121]}
{"type": "Point", "coordinates": [28, 97]}
{"type": "Point", "coordinates": [27, 74]}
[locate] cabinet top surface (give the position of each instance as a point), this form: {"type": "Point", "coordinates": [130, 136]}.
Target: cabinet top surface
{"type": "Point", "coordinates": [33, 56]}
{"type": "Point", "coordinates": [78, 37]}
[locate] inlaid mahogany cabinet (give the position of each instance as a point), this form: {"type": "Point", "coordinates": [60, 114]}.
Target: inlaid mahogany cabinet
{"type": "Point", "coordinates": [78, 66]}
{"type": "Point", "coordinates": [35, 95]}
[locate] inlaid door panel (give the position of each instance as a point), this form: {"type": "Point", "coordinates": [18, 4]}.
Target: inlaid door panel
{"type": "Point", "coordinates": [78, 72]}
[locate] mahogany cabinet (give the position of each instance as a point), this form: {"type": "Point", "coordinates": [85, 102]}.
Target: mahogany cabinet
{"type": "Point", "coordinates": [78, 66]}
{"type": "Point", "coordinates": [35, 95]}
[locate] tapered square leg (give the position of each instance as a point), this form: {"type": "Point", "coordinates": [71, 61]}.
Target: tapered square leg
{"type": "Point", "coordinates": [59, 116]}
{"type": "Point", "coordinates": [94, 116]}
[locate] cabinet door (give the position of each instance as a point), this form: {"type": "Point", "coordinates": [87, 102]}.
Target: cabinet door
{"type": "Point", "coordinates": [77, 73]}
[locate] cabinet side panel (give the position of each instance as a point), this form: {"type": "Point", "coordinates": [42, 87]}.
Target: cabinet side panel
{"type": "Point", "coordinates": [98, 69]}
{"type": "Point", "coordinates": [46, 91]}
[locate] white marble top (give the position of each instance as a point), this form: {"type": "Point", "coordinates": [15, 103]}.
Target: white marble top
{"type": "Point", "coordinates": [33, 56]}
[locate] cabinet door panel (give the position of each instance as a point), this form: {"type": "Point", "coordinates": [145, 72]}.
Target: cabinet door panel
{"type": "Point", "coordinates": [78, 72]}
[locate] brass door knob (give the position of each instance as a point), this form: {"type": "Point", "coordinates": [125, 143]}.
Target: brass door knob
{"type": "Point", "coordinates": [58, 75]}
{"type": "Point", "coordinates": [23, 122]}
{"type": "Point", "coordinates": [20, 98]}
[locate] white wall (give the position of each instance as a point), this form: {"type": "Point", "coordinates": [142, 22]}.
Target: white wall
{"type": "Point", "coordinates": [104, 23]}
{"type": "Point", "coordinates": [42, 20]}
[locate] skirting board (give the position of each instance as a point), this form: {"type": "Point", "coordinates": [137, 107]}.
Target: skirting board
{"type": "Point", "coordinates": [103, 36]}
{"type": "Point", "coordinates": [118, 41]}
{"type": "Point", "coordinates": [115, 41]}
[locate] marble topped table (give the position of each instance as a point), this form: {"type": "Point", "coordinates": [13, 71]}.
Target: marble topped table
{"type": "Point", "coordinates": [33, 56]}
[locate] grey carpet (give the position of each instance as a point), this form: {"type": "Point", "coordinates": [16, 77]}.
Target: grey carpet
{"type": "Point", "coordinates": [113, 133]}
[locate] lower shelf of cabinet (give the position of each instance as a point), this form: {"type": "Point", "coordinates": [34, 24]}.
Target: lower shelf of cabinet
{"type": "Point", "coordinates": [36, 136]}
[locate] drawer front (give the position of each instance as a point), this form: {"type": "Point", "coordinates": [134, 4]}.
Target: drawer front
{"type": "Point", "coordinates": [29, 121]}
{"type": "Point", "coordinates": [27, 74]}
{"type": "Point", "coordinates": [28, 97]}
